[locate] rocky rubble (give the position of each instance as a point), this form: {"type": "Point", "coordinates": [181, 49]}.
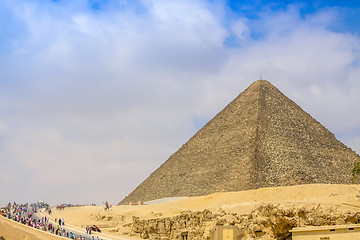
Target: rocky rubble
{"type": "Point", "coordinates": [268, 221]}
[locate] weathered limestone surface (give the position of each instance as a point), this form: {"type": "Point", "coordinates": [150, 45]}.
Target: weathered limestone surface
{"type": "Point", "coordinates": [267, 222]}
{"type": "Point", "coordinates": [261, 139]}
{"type": "Point", "coordinates": [193, 223]}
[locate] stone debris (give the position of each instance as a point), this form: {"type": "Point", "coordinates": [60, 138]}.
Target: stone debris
{"type": "Point", "coordinates": [267, 222]}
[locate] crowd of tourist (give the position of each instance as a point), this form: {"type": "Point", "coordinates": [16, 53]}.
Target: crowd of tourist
{"type": "Point", "coordinates": [20, 213]}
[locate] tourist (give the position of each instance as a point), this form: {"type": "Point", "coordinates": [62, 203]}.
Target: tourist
{"type": "Point", "coordinates": [20, 214]}
{"type": "Point", "coordinates": [107, 206]}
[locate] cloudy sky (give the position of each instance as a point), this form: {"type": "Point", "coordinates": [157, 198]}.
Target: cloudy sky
{"type": "Point", "coordinates": [97, 94]}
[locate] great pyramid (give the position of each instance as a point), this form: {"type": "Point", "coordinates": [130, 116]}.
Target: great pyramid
{"type": "Point", "coordinates": [261, 139]}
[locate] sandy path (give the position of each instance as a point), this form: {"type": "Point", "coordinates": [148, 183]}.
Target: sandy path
{"type": "Point", "coordinates": [81, 231]}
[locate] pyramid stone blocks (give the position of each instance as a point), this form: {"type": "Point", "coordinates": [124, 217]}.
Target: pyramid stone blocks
{"type": "Point", "coordinates": [261, 139]}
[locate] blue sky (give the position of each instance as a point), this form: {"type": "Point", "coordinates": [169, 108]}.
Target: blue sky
{"type": "Point", "coordinates": [94, 93]}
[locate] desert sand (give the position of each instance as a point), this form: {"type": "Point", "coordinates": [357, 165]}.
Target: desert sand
{"type": "Point", "coordinates": [341, 198]}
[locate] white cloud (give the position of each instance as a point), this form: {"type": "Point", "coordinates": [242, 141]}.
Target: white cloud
{"type": "Point", "coordinates": [100, 100]}
{"type": "Point", "coordinates": [240, 29]}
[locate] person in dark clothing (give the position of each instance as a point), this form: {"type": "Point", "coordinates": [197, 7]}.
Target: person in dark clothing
{"type": "Point", "coordinates": [60, 222]}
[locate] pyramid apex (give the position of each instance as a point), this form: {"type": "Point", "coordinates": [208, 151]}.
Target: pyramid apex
{"type": "Point", "coordinates": [261, 85]}
{"type": "Point", "coordinates": [261, 82]}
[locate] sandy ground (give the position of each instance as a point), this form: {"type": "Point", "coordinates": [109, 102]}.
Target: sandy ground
{"type": "Point", "coordinates": [339, 197]}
